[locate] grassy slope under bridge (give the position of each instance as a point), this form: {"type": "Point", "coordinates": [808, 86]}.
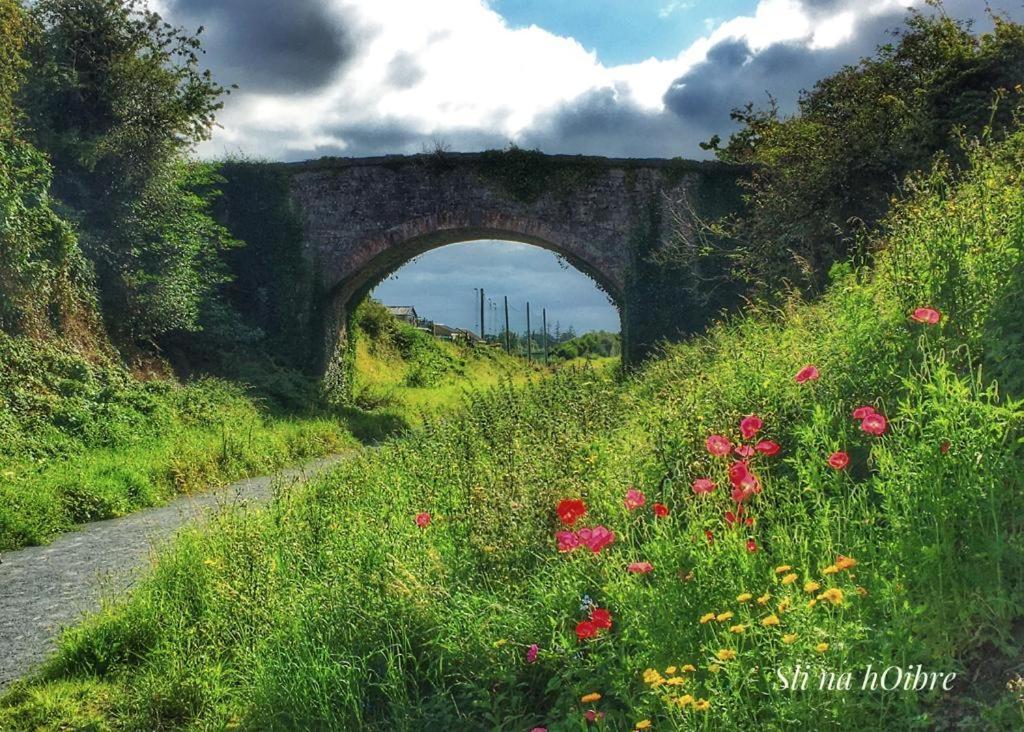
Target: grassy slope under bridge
{"type": "Point", "coordinates": [332, 608]}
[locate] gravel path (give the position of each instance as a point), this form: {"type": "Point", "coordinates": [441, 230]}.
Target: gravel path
{"type": "Point", "coordinates": [46, 588]}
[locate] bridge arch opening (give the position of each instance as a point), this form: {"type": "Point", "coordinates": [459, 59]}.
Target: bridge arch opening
{"type": "Point", "coordinates": [463, 285]}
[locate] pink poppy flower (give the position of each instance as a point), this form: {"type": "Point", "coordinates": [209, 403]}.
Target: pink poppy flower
{"type": "Point", "coordinates": [718, 446]}
{"type": "Point", "coordinates": [596, 538]}
{"type": "Point", "coordinates": [660, 510]}
{"type": "Point", "coordinates": [874, 424]}
{"type": "Point", "coordinates": [744, 451]}
{"type": "Point", "coordinates": [751, 546]}
{"type": "Point", "coordinates": [634, 499]}
{"type": "Point", "coordinates": [738, 471]}
{"type": "Point", "coordinates": [740, 495]}
{"type": "Point", "coordinates": [423, 520]}
{"type": "Point", "coordinates": [592, 716]}
{"type": "Point", "coordinates": [767, 447]}
{"type": "Point", "coordinates": [567, 540]}
{"type": "Point", "coordinates": [703, 485]}
{"type": "Point", "coordinates": [531, 653]}
{"type": "Point", "coordinates": [539, 729]}
{"type": "Point", "coordinates": [928, 316]}
{"type": "Point", "coordinates": [838, 460]}
{"type": "Point", "coordinates": [807, 373]}
{"type": "Point", "coordinates": [639, 567]}
{"type": "Point", "coordinates": [862, 412]}
{"type": "Point", "coordinates": [750, 426]}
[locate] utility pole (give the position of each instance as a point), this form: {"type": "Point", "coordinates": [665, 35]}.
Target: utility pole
{"type": "Point", "coordinates": [544, 317]}
{"type": "Point", "coordinates": [483, 335]}
{"type": "Point", "coordinates": [529, 336]}
{"type": "Point", "coordinates": [508, 342]}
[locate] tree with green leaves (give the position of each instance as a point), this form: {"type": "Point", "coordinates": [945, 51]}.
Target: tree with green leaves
{"type": "Point", "coordinates": [821, 176]}
{"type": "Point", "coordinates": [118, 99]}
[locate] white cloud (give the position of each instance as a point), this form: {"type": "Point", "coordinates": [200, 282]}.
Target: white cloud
{"type": "Point", "coordinates": [465, 70]}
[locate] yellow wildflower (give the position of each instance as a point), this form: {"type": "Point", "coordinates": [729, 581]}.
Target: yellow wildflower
{"type": "Point", "coordinates": [701, 705]}
{"type": "Point", "coordinates": [811, 586]}
{"type": "Point", "coordinates": [725, 654]}
{"type": "Point", "coordinates": [653, 678]}
{"type": "Point", "coordinates": [783, 569]}
{"type": "Point", "coordinates": [771, 620]}
{"type": "Point", "coordinates": [833, 595]}
{"type": "Point", "coordinates": [784, 605]}
{"type": "Point", "coordinates": [811, 603]}
{"type": "Point", "coordinates": [737, 628]}
{"type": "Point", "coordinates": [590, 698]}
{"type": "Point", "coordinates": [846, 562]}
{"type": "Point", "coordinates": [789, 638]}
{"type": "Point", "coordinates": [763, 599]}
{"type": "Point", "coordinates": [861, 591]}
{"type": "Point", "coordinates": [789, 578]}
{"type": "Point", "coordinates": [684, 700]}
{"type": "Point", "coordinates": [670, 670]}
{"type": "Point", "coordinates": [706, 618]}
{"type": "Point", "coordinates": [643, 724]}
{"type": "Point", "coordinates": [714, 668]}
{"type": "Point", "coordinates": [745, 597]}
{"type": "Point", "coordinates": [821, 647]}
{"type": "Point", "coordinates": [675, 681]}
{"type": "Point", "coordinates": [688, 668]}
{"type": "Point", "coordinates": [500, 643]}
{"type": "Point", "coordinates": [722, 617]}
{"type": "Point", "coordinates": [830, 569]}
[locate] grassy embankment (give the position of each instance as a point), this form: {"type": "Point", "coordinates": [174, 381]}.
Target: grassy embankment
{"type": "Point", "coordinates": [83, 440]}
{"type": "Point", "coordinates": [332, 608]}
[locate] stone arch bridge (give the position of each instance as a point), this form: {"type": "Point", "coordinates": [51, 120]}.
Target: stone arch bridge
{"type": "Point", "coordinates": [360, 219]}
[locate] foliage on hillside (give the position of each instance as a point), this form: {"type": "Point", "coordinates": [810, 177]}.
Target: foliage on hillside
{"type": "Point", "coordinates": [596, 344]}
{"type": "Point", "coordinates": [421, 587]}
{"type": "Point", "coordinates": [819, 177]}
{"type": "Point", "coordinates": [404, 370]}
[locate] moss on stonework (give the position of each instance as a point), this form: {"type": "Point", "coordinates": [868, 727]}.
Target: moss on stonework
{"type": "Point", "coordinates": [529, 174]}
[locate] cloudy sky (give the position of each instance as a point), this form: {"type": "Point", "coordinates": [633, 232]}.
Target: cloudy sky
{"type": "Point", "coordinates": [646, 78]}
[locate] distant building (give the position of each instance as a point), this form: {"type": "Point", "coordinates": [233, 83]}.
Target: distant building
{"type": "Point", "coordinates": [405, 313]}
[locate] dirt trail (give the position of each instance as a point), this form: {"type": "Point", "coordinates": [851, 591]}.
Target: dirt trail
{"type": "Point", "coordinates": [46, 588]}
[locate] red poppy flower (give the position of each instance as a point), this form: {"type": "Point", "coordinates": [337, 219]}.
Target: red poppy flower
{"type": "Point", "coordinates": [634, 499]}
{"type": "Point", "coordinates": [838, 460]}
{"type": "Point", "coordinates": [571, 509]}
{"type": "Point", "coordinates": [874, 424]}
{"type": "Point", "coordinates": [767, 447]}
{"type": "Point", "coordinates": [862, 412]}
{"type": "Point", "coordinates": [593, 716]}
{"type": "Point", "coordinates": [710, 537]}
{"type": "Point", "coordinates": [807, 373]}
{"type": "Point", "coordinates": [601, 618]}
{"type": "Point", "coordinates": [737, 472]}
{"type": "Point", "coordinates": [660, 510]}
{"type": "Point", "coordinates": [928, 316]}
{"type": "Point", "coordinates": [639, 567]}
{"type": "Point", "coordinates": [750, 426]}
{"type": "Point", "coordinates": [718, 446]}
{"type": "Point", "coordinates": [585, 629]}
{"type": "Point", "coordinates": [703, 485]}
{"type": "Point", "coordinates": [740, 495]}
{"type": "Point", "coordinates": [423, 520]}
{"type": "Point", "coordinates": [751, 546]}
{"type": "Point", "coordinates": [744, 451]}
{"type": "Point", "coordinates": [944, 447]}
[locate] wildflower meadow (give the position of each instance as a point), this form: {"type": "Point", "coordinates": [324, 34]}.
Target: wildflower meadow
{"type": "Point", "coordinates": [809, 518]}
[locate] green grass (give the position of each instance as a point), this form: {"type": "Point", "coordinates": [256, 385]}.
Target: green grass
{"type": "Point", "coordinates": [332, 609]}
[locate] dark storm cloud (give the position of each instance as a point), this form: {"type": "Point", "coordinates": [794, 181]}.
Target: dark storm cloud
{"type": "Point", "coordinates": [267, 45]}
